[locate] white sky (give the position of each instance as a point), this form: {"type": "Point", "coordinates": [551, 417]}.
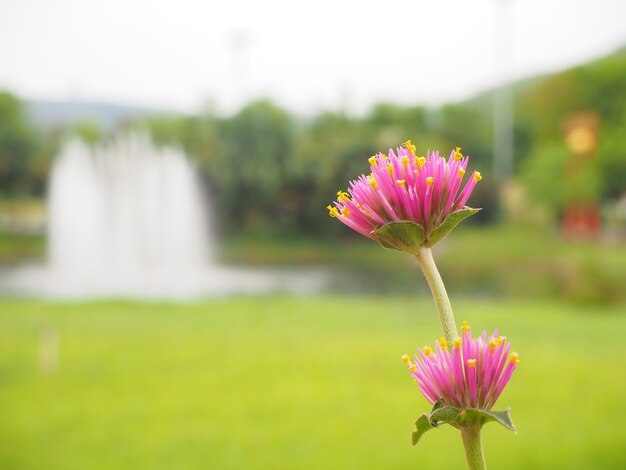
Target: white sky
{"type": "Point", "coordinates": [306, 55]}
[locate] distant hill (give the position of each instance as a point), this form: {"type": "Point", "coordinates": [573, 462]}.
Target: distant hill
{"type": "Point", "coordinates": [615, 59]}
{"type": "Point", "coordinates": [49, 114]}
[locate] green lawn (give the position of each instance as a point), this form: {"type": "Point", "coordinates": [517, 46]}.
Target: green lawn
{"type": "Point", "coordinates": [280, 382]}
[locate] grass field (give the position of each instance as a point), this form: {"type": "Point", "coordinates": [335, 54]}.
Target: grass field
{"type": "Point", "coordinates": [301, 383]}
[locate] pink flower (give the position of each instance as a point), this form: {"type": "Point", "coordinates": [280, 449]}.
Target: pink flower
{"type": "Point", "coordinates": [471, 375]}
{"type": "Point", "coordinates": [405, 187]}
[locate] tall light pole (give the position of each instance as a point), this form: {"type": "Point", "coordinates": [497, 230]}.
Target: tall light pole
{"type": "Point", "coordinates": [503, 142]}
{"type": "Point", "coordinates": [239, 42]}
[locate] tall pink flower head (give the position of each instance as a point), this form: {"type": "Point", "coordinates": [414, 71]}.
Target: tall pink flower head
{"type": "Point", "coordinates": [405, 188]}
{"type": "Point", "coordinates": [472, 374]}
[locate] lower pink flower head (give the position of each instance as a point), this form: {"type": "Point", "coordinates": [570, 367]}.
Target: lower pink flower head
{"type": "Point", "coordinates": [472, 375]}
{"type": "Point", "coordinates": [405, 187]}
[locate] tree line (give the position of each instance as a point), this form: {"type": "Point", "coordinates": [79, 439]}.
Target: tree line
{"type": "Point", "coordinates": [272, 173]}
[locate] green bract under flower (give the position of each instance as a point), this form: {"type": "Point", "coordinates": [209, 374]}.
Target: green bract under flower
{"type": "Point", "coordinates": [407, 201]}
{"type": "Point", "coordinates": [463, 380]}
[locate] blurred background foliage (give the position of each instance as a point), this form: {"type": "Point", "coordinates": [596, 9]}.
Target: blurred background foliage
{"type": "Point", "coordinates": [23, 162]}
{"type": "Point", "coordinates": [271, 175]}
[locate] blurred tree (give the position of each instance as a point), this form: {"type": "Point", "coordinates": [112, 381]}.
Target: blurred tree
{"type": "Point", "coordinates": [603, 86]}
{"type": "Point", "coordinates": [200, 139]}
{"type": "Point", "coordinates": [556, 178]}
{"type": "Point", "coordinates": [612, 159]}
{"type": "Point", "coordinates": [408, 121]}
{"type": "Point", "coordinates": [197, 135]}
{"type": "Point", "coordinates": [468, 126]}
{"type": "Point", "coordinates": [545, 104]}
{"type": "Point", "coordinates": [544, 108]}
{"type": "Point", "coordinates": [89, 131]}
{"type": "Point", "coordinates": [330, 151]}
{"type": "Point", "coordinates": [273, 174]}
{"type": "Point", "coordinates": [164, 128]}
{"type": "Point", "coordinates": [19, 149]}
{"type": "Point", "coordinates": [252, 164]}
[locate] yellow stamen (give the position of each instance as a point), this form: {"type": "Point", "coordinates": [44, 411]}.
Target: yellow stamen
{"type": "Point", "coordinates": [464, 327]}
{"type": "Point", "coordinates": [414, 381]}
{"type": "Point", "coordinates": [406, 359]}
{"type": "Point", "coordinates": [405, 160]}
{"type": "Point", "coordinates": [492, 344]}
{"type": "Point", "coordinates": [342, 196]}
{"type": "Point", "coordinates": [457, 343]}
{"type": "Point", "coordinates": [501, 340]}
{"type": "Point", "coordinates": [471, 362]}
{"type": "Point", "coordinates": [443, 343]}
{"type": "Point", "coordinates": [373, 161]}
{"type": "Point", "coordinates": [410, 147]}
{"type": "Point", "coordinates": [332, 211]}
{"type": "Point", "coordinates": [461, 172]}
{"type": "Point", "coordinates": [401, 183]}
{"type": "Point", "coordinates": [427, 350]}
{"type": "Point", "coordinates": [457, 154]}
{"type": "Point", "coordinates": [420, 161]}
{"type": "Point", "coordinates": [513, 357]}
{"type": "Point", "coordinates": [390, 168]}
{"type": "Point", "coordinates": [372, 182]}
{"type": "Point", "coordinates": [430, 180]}
{"type": "Point", "coordinates": [477, 176]}
{"type": "Point", "coordinates": [345, 212]}
{"type": "Point", "coordinates": [412, 367]}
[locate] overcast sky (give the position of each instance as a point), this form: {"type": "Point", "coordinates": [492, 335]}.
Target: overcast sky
{"type": "Point", "coordinates": [306, 55]}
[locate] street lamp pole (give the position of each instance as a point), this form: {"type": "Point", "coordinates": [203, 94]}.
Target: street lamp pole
{"type": "Point", "coordinates": [502, 112]}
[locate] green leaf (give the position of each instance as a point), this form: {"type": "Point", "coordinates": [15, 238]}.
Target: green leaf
{"type": "Point", "coordinates": [459, 418]}
{"type": "Point", "coordinates": [448, 224]}
{"type": "Point", "coordinates": [438, 404]}
{"type": "Point", "coordinates": [444, 414]}
{"type": "Point", "coordinates": [402, 236]}
{"type": "Point", "coordinates": [501, 417]}
{"type": "Point", "coordinates": [422, 425]}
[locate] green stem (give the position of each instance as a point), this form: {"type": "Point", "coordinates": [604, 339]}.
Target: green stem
{"type": "Point", "coordinates": [440, 296]}
{"type": "Point", "coordinates": [473, 447]}
{"type": "Point", "coordinates": [471, 431]}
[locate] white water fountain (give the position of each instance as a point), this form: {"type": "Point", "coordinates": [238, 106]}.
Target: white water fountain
{"type": "Point", "coordinates": [130, 220]}
{"type": "Point", "coordinates": [125, 210]}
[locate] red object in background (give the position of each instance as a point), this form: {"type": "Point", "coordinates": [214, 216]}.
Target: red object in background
{"type": "Point", "coordinates": [581, 221]}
